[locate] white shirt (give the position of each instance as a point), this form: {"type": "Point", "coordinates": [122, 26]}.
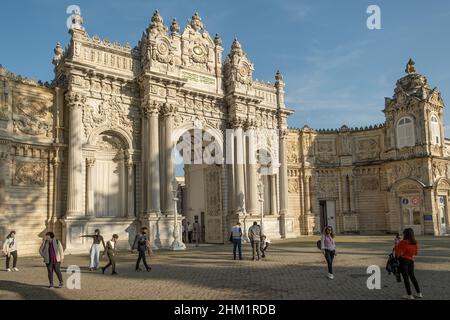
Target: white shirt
{"type": "Point", "coordinates": [112, 244]}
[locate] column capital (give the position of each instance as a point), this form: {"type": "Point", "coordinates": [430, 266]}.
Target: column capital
{"type": "Point", "coordinates": [168, 110]}
{"type": "Point", "coordinates": [283, 133]}
{"type": "Point", "coordinates": [75, 99]}
{"type": "Point", "coordinates": [151, 108]}
{"type": "Point", "coordinates": [4, 156]}
{"type": "Point", "coordinates": [237, 123]}
{"type": "Point", "coordinates": [90, 162]}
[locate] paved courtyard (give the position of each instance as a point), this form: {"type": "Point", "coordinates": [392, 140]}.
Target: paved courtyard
{"type": "Point", "coordinates": [294, 269]}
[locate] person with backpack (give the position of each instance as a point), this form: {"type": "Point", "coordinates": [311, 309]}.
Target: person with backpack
{"type": "Point", "coordinates": [236, 239]}
{"type": "Point", "coordinates": [111, 247]}
{"type": "Point", "coordinates": [53, 253]}
{"type": "Point", "coordinates": [95, 249]}
{"type": "Point", "coordinates": [142, 245]}
{"type": "Point", "coordinates": [10, 250]}
{"type": "Point", "coordinates": [328, 247]}
{"type": "Point", "coordinates": [405, 251]}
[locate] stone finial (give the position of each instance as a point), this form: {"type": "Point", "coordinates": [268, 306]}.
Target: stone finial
{"type": "Point", "coordinates": [236, 47]}
{"type": "Point", "coordinates": [196, 22]}
{"type": "Point", "coordinates": [217, 40]}
{"type": "Point", "coordinates": [410, 67]}
{"type": "Point", "coordinates": [278, 76]}
{"type": "Point", "coordinates": [58, 54]}
{"type": "Point", "coordinates": [157, 22]}
{"type": "Point", "coordinates": [174, 27]}
{"type": "Point", "coordinates": [77, 20]}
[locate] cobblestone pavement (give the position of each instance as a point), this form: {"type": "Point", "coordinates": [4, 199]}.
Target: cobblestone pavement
{"type": "Point", "coordinates": [294, 269]}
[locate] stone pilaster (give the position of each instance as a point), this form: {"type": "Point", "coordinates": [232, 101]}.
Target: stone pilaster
{"type": "Point", "coordinates": [239, 187]}
{"type": "Point", "coordinates": [4, 157]}
{"type": "Point", "coordinates": [252, 173]}
{"type": "Point", "coordinates": [90, 162]}
{"type": "Point", "coordinates": [130, 188]}
{"type": "Point", "coordinates": [273, 194]}
{"type": "Point", "coordinates": [75, 102]}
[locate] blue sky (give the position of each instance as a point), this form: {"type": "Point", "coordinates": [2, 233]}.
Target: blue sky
{"type": "Point", "coordinates": [336, 70]}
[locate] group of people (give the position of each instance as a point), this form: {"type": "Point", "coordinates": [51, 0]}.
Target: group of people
{"type": "Point", "coordinates": [259, 241]}
{"type": "Point", "coordinates": [141, 244]}
{"type": "Point", "coordinates": [52, 252]}
{"type": "Point", "coordinates": [405, 250]}
{"type": "Point", "coordinates": [191, 232]}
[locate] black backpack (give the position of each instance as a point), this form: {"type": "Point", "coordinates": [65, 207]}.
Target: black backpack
{"type": "Point", "coordinates": [319, 244]}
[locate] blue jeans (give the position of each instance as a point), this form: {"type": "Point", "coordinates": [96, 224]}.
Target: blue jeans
{"type": "Point", "coordinates": [329, 256]}
{"type": "Point", "coordinates": [237, 243]}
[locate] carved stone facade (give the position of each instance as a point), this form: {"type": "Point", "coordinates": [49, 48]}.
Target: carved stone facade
{"type": "Point", "coordinates": [366, 180]}
{"type": "Point", "coordinates": [94, 148]}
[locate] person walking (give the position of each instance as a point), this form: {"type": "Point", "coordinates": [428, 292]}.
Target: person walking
{"type": "Point", "coordinates": [142, 245]}
{"type": "Point", "coordinates": [111, 247]}
{"type": "Point", "coordinates": [190, 230]}
{"type": "Point", "coordinates": [405, 250]}
{"type": "Point", "coordinates": [236, 239]}
{"type": "Point", "coordinates": [95, 249]}
{"type": "Point", "coordinates": [10, 249]}
{"type": "Point", "coordinates": [254, 234]}
{"type": "Point", "coordinates": [328, 247]}
{"type": "Point", "coordinates": [53, 253]}
{"type": "Point", "coordinates": [196, 232]}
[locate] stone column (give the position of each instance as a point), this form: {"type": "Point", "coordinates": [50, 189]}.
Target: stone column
{"type": "Point", "coordinates": [75, 103]}
{"type": "Point", "coordinates": [252, 173]}
{"type": "Point", "coordinates": [154, 191]}
{"type": "Point", "coordinates": [351, 196]}
{"type": "Point", "coordinates": [307, 195]}
{"type": "Point", "coordinates": [144, 161]}
{"type": "Point", "coordinates": [239, 172]}
{"type": "Point", "coordinates": [283, 174]}
{"type": "Point", "coordinates": [90, 208]}
{"type": "Point", "coordinates": [168, 114]}
{"type": "Point", "coordinates": [123, 181]}
{"type": "Point", "coordinates": [130, 188]}
{"type": "Point", "coordinates": [273, 194]}
{"type": "Point", "coordinates": [56, 164]}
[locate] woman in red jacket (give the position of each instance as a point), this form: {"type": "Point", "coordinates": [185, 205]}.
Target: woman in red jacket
{"type": "Point", "coordinates": [405, 251]}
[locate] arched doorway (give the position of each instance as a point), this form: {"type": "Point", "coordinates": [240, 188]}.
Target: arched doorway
{"type": "Point", "coordinates": [110, 177]}
{"type": "Point", "coordinates": [410, 195]}
{"type": "Point", "coordinates": [200, 167]}
{"type": "Point", "coordinates": [442, 196]}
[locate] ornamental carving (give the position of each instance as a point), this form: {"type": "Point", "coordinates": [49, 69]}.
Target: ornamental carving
{"type": "Point", "coordinates": [440, 169]}
{"type": "Point", "coordinates": [29, 173]}
{"type": "Point", "coordinates": [369, 184]}
{"type": "Point", "coordinates": [367, 149]}
{"type": "Point", "coordinates": [163, 52]}
{"type": "Point", "coordinates": [110, 113]}
{"type": "Point", "coordinates": [326, 186]}
{"type": "Point", "coordinates": [293, 186]}
{"type": "Point", "coordinates": [32, 117]}
{"type": "Point", "coordinates": [213, 196]}
{"type": "Point", "coordinates": [325, 147]}
{"type": "Point", "coordinates": [292, 154]}
{"type": "Point", "coordinates": [405, 170]}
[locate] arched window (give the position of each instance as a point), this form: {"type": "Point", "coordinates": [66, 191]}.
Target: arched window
{"type": "Point", "coordinates": [435, 132]}
{"type": "Point", "coordinates": [405, 133]}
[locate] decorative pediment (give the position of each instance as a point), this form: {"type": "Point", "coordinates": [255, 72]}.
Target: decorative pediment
{"type": "Point", "coordinates": [237, 67]}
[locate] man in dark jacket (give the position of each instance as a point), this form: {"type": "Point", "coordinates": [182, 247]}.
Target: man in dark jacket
{"type": "Point", "coordinates": [142, 245]}
{"type": "Point", "coordinates": [111, 247]}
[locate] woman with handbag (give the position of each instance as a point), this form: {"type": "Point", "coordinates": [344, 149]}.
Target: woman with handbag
{"type": "Point", "coordinates": [10, 249]}
{"type": "Point", "coordinates": [405, 250]}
